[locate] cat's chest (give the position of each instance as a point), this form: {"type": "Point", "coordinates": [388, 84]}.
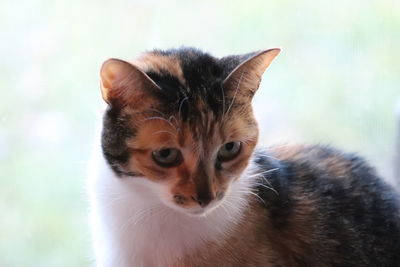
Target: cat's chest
{"type": "Point", "coordinates": [157, 236]}
{"type": "Point", "coordinates": [138, 232]}
{"type": "Point", "coordinates": [131, 227]}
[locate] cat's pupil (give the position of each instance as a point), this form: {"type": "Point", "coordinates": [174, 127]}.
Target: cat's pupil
{"type": "Point", "coordinates": [229, 151]}
{"type": "Point", "coordinates": [229, 146]}
{"type": "Point", "coordinates": [165, 153]}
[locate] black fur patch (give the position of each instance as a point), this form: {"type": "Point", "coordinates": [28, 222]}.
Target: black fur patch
{"type": "Point", "coordinates": [204, 75]}
{"type": "Point", "coordinates": [357, 217]}
{"type": "Point", "coordinates": [114, 134]}
{"type": "Point", "coordinates": [273, 186]}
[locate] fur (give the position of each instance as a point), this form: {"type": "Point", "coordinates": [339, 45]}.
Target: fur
{"type": "Point", "coordinates": [287, 206]}
{"type": "Point", "coordinates": [132, 228]}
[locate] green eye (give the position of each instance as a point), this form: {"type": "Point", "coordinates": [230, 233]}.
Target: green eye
{"type": "Point", "coordinates": [167, 157]}
{"type": "Point", "coordinates": [229, 151]}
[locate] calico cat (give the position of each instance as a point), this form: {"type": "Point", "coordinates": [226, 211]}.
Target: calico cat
{"type": "Point", "coordinates": [177, 179]}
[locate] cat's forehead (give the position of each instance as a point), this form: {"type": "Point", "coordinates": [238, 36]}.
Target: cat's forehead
{"type": "Point", "coordinates": [190, 79]}
{"type": "Point", "coordinates": [162, 64]}
{"type": "Point", "coordinates": [153, 130]}
{"type": "Point", "coordinates": [191, 67]}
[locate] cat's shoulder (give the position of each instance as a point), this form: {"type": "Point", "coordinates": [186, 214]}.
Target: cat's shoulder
{"type": "Point", "coordinates": [323, 161]}
{"type": "Point", "coordinates": [304, 186]}
{"type": "Point", "coordinates": [324, 174]}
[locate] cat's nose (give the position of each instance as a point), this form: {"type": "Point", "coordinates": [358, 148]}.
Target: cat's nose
{"type": "Point", "coordinates": [203, 201]}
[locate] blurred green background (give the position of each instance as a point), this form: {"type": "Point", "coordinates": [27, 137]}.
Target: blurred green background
{"type": "Point", "coordinates": [336, 82]}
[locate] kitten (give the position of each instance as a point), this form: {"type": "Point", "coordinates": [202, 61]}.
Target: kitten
{"type": "Point", "coordinates": [177, 180]}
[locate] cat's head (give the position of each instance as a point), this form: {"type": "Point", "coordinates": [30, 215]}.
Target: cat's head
{"type": "Point", "coordinates": [183, 120]}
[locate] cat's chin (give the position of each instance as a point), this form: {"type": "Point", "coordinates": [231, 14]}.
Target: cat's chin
{"type": "Point", "coordinates": [195, 211]}
{"type": "Point", "coordinates": [201, 212]}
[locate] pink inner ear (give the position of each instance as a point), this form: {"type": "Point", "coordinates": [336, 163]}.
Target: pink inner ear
{"type": "Point", "coordinates": [123, 83]}
{"type": "Point", "coordinates": [112, 73]}
{"type": "Point", "coordinates": [248, 74]}
{"type": "Point", "coordinates": [110, 70]}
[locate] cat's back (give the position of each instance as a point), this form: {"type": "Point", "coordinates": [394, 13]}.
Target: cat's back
{"type": "Point", "coordinates": [333, 206]}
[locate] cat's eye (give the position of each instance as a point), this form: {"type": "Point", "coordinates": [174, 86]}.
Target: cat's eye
{"type": "Point", "coordinates": [167, 157]}
{"type": "Point", "coordinates": [229, 151]}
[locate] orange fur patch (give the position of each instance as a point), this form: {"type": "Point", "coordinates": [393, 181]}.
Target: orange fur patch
{"type": "Point", "coordinates": [197, 173]}
{"type": "Point", "coordinates": [160, 63]}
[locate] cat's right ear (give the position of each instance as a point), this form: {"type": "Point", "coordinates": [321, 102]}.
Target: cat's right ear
{"type": "Point", "coordinates": [124, 84]}
{"type": "Point", "coordinates": [246, 77]}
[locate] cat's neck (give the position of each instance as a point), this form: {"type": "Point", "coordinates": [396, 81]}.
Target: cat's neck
{"type": "Point", "coordinates": [138, 229]}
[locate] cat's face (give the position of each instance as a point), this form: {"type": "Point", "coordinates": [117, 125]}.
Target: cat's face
{"type": "Point", "coordinates": [182, 120]}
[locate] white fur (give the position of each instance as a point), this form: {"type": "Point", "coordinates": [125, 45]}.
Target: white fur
{"type": "Point", "coordinates": [133, 225]}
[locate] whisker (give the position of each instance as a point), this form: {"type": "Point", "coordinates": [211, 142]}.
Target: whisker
{"type": "Point", "coordinates": [138, 217]}
{"type": "Point", "coordinates": [267, 187]}
{"type": "Point", "coordinates": [230, 208]}
{"type": "Point", "coordinates": [263, 172]}
{"type": "Point", "coordinates": [162, 119]}
{"type": "Point", "coordinates": [264, 178]}
{"type": "Point", "coordinates": [271, 157]}
{"type": "Point", "coordinates": [277, 146]}
{"type": "Point", "coordinates": [157, 111]}
{"type": "Point", "coordinates": [175, 120]}
{"type": "Point", "coordinates": [234, 96]}
{"type": "Point", "coordinates": [180, 106]}
{"type": "Point", "coordinates": [223, 100]}
{"type": "Point", "coordinates": [163, 131]}
{"type": "Point", "coordinates": [254, 194]}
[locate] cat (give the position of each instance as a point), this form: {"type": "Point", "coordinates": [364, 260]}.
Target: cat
{"type": "Point", "coordinates": [176, 178]}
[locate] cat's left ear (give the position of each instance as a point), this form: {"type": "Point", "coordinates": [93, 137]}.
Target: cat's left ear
{"type": "Point", "coordinates": [246, 77]}
{"type": "Point", "coordinates": [125, 84]}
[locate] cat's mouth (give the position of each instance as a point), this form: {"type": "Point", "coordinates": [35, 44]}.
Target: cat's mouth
{"type": "Point", "coordinates": [200, 211]}
{"type": "Point", "coordinates": [196, 211]}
